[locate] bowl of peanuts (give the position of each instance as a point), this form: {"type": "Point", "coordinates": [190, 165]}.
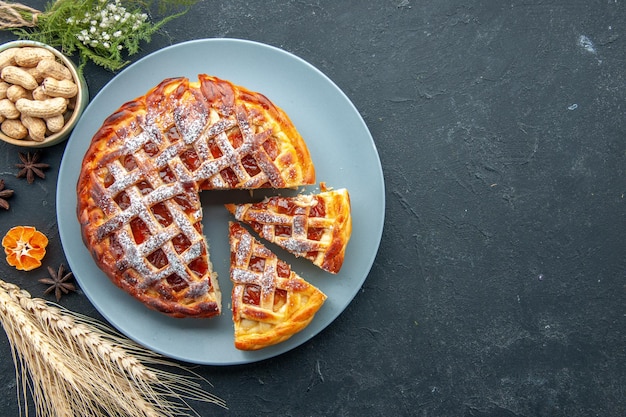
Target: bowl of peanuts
{"type": "Point", "coordinates": [42, 94]}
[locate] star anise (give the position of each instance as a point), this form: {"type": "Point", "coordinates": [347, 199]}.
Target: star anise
{"type": "Point", "coordinates": [31, 166]}
{"type": "Point", "coordinates": [4, 194]}
{"type": "Point", "coordinates": [58, 282]}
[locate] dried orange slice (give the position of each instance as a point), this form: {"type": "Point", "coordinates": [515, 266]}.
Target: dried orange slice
{"type": "Point", "coordinates": [25, 247]}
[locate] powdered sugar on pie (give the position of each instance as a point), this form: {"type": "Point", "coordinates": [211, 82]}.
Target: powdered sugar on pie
{"type": "Point", "coordinates": [138, 203]}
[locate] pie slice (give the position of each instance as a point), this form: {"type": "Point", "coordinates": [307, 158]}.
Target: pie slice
{"type": "Point", "coordinates": [270, 302]}
{"type": "Point", "coordinates": [315, 226]}
{"type": "Point", "coordinates": [138, 189]}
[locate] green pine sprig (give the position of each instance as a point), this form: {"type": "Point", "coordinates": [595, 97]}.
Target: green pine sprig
{"type": "Point", "coordinates": [103, 32]}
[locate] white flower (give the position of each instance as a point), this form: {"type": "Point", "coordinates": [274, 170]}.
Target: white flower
{"type": "Point", "coordinates": [117, 34]}
{"type": "Point", "coordinates": [106, 45]}
{"type": "Point", "coordinates": [92, 29]}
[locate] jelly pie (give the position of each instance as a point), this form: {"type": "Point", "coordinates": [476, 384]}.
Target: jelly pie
{"type": "Point", "coordinates": [314, 226]}
{"type": "Point", "coordinates": [138, 189]}
{"type": "Point", "coordinates": [270, 302]}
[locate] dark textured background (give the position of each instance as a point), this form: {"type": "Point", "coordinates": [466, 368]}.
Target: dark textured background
{"type": "Point", "coordinates": [499, 286]}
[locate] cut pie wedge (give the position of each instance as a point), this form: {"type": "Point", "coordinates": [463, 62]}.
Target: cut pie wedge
{"type": "Point", "coordinates": [270, 302]}
{"type": "Point", "coordinates": [315, 226]}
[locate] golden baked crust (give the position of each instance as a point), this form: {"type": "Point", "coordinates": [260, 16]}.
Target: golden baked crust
{"type": "Point", "coordinates": [271, 303]}
{"type": "Point", "coordinates": [314, 226]}
{"type": "Point", "coordinates": [138, 202]}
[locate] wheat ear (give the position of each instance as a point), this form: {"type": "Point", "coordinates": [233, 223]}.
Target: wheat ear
{"type": "Point", "coordinates": [74, 365]}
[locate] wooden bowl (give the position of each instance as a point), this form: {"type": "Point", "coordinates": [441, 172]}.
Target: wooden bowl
{"type": "Point", "coordinates": [71, 116]}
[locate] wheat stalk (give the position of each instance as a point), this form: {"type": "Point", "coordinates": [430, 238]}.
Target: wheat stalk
{"type": "Point", "coordinates": [73, 365]}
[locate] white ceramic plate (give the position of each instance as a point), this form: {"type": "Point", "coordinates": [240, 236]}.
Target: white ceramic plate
{"type": "Point", "coordinates": [344, 155]}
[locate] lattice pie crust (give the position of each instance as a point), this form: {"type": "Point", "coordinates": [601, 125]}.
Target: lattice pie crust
{"type": "Point", "coordinates": [270, 301]}
{"type": "Point", "coordinates": [314, 226]}
{"type": "Point", "coordinates": [138, 191]}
